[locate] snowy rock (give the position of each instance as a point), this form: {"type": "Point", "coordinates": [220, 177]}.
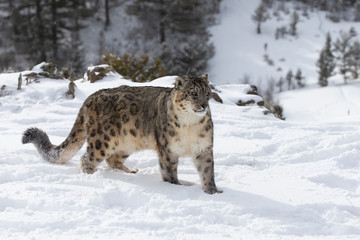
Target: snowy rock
{"type": "Point", "coordinates": [44, 70]}
{"type": "Point", "coordinates": [96, 73]}
{"type": "Point", "coordinates": [3, 91]}
{"type": "Point", "coordinates": [239, 94]}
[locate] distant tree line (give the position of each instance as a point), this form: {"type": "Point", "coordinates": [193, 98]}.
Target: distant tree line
{"type": "Point", "coordinates": [343, 54]}
{"type": "Point", "coordinates": [174, 31]}
{"type": "Point", "coordinates": [336, 10]}
{"type": "Point", "coordinates": [178, 30]}
{"type": "Point", "coordinates": [261, 15]}
{"type": "Point", "coordinates": [43, 30]}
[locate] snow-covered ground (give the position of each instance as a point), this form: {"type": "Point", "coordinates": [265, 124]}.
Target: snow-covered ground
{"type": "Point", "coordinates": [281, 179]}
{"type": "Point", "coordinates": [293, 179]}
{"type": "Point", "coordinates": [333, 103]}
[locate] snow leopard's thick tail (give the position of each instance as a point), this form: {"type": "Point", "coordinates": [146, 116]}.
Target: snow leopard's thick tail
{"type": "Point", "coordinates": [66, 150]}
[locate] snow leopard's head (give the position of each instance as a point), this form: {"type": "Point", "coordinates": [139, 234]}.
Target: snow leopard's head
{"type": "Point", "coordinates": [192, 94]}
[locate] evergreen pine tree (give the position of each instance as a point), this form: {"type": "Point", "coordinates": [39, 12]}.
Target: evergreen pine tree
{"type": "Point", "coordinates": [299, 79]}
{"type": "Point", "coordinates": [294, 21]}
{"type": "Point", "coordinates": [335, 11]}
{"type": "Point", "coordinates": [28, 20]}
{"type": "Point", "coordinates": [326, 63]}
{"type": "Point", "coordinates": [176, 30]}
{"type": "Point", "coordinates": [260, 16]}
{"type": "Point", "coordinates": [342, 48]}
{"type": "Point", "coordinates": [357, 12]}
{"type": "Point", "coordinates": [280, 84]}
{"type": "Point", "coordinates": [41, 30]}
{"type": "Point", "coordinates": [354, 61]}
{"type": "Point", "coordinates": [7, 56]}
{"type": "Point", "coordinates": [73, 53]}
{"type": "Point", "coordinates": [322, 4]}
{"type": "Point", "coordinates": [289, 79]}
{"type": "Point", "coordinates": [268, 3]}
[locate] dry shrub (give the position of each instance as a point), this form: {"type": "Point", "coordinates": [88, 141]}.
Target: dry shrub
{"type": "Point", "coordinates": [137, 69]}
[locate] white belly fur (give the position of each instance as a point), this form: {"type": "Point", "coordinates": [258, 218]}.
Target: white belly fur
{"type": "Point", "coordinates": [187, 142]}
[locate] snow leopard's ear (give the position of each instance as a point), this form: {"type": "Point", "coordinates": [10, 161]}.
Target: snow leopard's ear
{"type": "Point", "coordinates": [179, 83]}
{"type": "Point", "coordinates": [205, 77]}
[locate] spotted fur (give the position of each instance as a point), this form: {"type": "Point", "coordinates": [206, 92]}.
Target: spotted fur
{"type": "Point", "coordinates": [176, 122]}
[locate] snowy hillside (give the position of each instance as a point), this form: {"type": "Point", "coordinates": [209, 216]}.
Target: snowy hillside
{"type": "Point", "coordinates": [336, 103]}
{"type": "Point", "coordinates": [240, 50]}
{"type": "Point", "coordinates": [281, 180]}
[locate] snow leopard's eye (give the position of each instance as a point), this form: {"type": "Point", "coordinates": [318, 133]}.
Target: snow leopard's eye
{"type": "Point", "coordinates": [194, 94]}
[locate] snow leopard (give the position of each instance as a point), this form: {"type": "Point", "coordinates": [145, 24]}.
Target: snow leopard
{"type": "Point", "coordinates": [116, 122]}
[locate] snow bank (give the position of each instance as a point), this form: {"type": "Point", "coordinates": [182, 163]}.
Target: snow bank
{"type": "Point", "coordinates": [281, 180]}
{"type": "Point", "coordinates": [332, 103]}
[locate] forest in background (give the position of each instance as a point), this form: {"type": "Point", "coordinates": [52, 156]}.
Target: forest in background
{"type": "Point", "coordinates": [170, 36]}
{"type": "Point", "coordinates": [50, 30]}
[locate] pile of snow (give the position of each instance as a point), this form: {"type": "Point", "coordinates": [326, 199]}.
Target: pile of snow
{"type": "Point", "coordinates": [281, 180]}
{"type": "Point", "coordinates": [239, 93]}
{"type": "Point", "coordinates": [332, 103]}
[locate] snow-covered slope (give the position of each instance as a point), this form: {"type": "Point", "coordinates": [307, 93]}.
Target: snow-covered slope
{"type": "Point", "coordinates": [240, 50]}
{"type": "Point", "coordinates": [333, 103]}
{"type": "Point", "coordinates": [281, 180]}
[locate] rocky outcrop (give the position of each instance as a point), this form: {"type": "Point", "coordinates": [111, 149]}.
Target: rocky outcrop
{"type": "Point", "coordinates": [43, 70]}
{"type": "Point", "coordinates": [96, 73]}
{"type": "Point", "coordinates": [239, 94]}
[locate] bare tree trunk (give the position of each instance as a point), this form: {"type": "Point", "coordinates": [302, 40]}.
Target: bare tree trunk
{"type": "Point", "coordinates": [54, 29]}
{"type": "Point", "coordinates": [40, 31]}
{"type": "Point", "coordinates": [107, 15]}
{"type": "Point", "coordinates": [19, 82]}
{"type": "Point", "coordinates": [162, 14]}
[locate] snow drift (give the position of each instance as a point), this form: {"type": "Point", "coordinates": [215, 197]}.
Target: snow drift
{"type": "Point", "coordinates": [280, 179]}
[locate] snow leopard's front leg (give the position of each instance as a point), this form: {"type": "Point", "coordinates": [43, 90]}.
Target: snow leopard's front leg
{"type": "Point", "coordinates": [168, 167]}
{"type": "Point", "coordinates": [204, 163]}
